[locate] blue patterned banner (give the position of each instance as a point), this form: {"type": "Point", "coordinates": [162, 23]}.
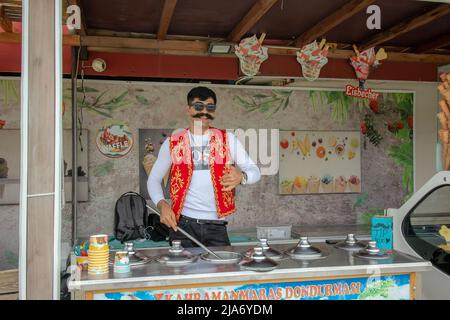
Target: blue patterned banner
{"type": "Point", "coordinates": [396, 287]}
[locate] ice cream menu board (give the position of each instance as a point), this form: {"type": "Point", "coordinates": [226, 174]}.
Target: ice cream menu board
{"type": "Point", "coordinates": [313, 162]}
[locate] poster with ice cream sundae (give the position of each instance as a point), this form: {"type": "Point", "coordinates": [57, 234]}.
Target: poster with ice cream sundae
{"type": "Point", "coordinates": [319, 162]}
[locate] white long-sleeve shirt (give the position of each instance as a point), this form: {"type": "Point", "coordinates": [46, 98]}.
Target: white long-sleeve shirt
{"type": "Point", "coordinates": [200, 200]}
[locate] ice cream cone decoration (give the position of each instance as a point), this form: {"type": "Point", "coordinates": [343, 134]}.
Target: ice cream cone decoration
{"type": "Point", "coordinates": [365, 61]}
{"type": "Point", "coordinates": [444, 119]}
{"type": "Point", "coordinates": [149, 157]}
{"type": "Point", "coordinates": [251, 54]}
{"type": "Point", "coordinates": [313, 184]}
{"type": "Point", "coordinates": [300, 184]}
{"type": "Point", "coordinates": [340, 184]}
{"type": "Point", "coordinates": [354, 183]}
{"type": "Point", "coordinates": [312, 58]}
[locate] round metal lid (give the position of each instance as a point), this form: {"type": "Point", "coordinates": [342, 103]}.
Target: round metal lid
{"type": "Point", "coordinates": [227, 257]}
{"type": "Point", "coordinates": [136, 259]}
{"type": "Point", "coordinates": [259, 262]}
{"type": "Point", "coordinates": [304, 250]}
{"type": "Point", "coordinates": [350, 244]}
{"type": "Point", "coordinates": [267, 251]}
{"type": "Point", "coordinates": [177, 255]}
{"type": "Point", "coordinates": [371, 252]}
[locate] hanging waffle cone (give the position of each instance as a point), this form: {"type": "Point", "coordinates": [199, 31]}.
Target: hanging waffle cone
{"type": "Point", "coordinates": [445, 108]}
{"type": "Point", "coordinates": [444, 119]}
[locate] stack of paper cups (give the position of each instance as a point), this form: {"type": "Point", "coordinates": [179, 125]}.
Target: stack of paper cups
{"type": "Point", "coordinates": [121, 262]}
{"type": "Point", "coordinates": [98, 254]}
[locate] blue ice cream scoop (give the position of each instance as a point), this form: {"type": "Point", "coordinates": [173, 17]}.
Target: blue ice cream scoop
{"type": "Point", "coordinates": [327, 179]}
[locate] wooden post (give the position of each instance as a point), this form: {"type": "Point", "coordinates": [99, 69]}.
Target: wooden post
{"type": "Point", "coordinates": [41, 147]}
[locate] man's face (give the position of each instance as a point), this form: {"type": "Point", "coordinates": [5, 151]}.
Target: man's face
{"type": "Point", "coordinates": [204, 116]}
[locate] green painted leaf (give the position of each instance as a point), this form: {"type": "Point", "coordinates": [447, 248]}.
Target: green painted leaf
{"type": "Point", "coordinates": [86, 89]}
{"type": "Point", "coordinates": [103, 169]}
{"type": "Point", "coordinates": [142, 100]}
{"type": "Point", "coordinates": [260, 96]}
{"type": "Point", "coordinates": [99, 97]}
{"type": "Point", "coordinates": [286, 103]}
{"type": "Point", "coordinates": [242, 102]}
{"type": "Point", "coordinates": [107, 115]}
{"type": "Point", "coordinates": [361, 199]}
{"type": "Point", "coordinates": [282, 92]}
{"type": "Point", "coordinates": [117, 100]}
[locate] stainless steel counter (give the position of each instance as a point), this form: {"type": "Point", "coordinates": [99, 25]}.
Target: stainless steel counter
{"type": "Point", "coordinates": [337, 263]}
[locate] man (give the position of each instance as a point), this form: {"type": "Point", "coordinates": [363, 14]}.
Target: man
{"type": "Point", "coordinates": [202, 179]}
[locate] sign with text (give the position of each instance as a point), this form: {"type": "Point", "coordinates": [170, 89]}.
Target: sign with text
{"type": "Point", "coordinates": [395, 287]}
{"type": "Point", "coordinates": [357, 92]}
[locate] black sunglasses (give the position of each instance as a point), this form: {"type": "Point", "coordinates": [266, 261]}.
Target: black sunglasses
{"type": "Point", "coordinates": [198, 106]}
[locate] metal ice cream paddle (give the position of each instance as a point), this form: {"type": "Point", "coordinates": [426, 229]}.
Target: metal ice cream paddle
{"type": "Point", "coordinates": [189, 236]}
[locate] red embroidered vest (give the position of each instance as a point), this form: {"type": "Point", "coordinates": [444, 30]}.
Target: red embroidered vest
{"type": "Point", "coordinates": [182, 170]}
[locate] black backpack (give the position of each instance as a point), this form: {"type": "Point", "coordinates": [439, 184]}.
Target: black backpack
{"type": "Point", "coordinates": [130, 217]}
{"type": "Point", "coordinates": [132, 221]}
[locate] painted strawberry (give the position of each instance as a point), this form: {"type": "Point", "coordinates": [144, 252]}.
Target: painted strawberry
{"type": "Point", "coordinates": [410, 122]}
{"type": "Point", "coordinates": [391, 127]}
{"type": "Point", "coordinates": [284, 144]}
{"type": "Point", "coordinates": [399, 125]}
{"type": "Point", "coordinates": [363, 127]}
{"type": "Point", "coordinates": [374, 106]}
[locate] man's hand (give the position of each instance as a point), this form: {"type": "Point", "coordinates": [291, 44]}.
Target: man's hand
{"type": "Point", "coordinates": [231, 178]}
{"type": "Point", "coordinates": [167, 215]}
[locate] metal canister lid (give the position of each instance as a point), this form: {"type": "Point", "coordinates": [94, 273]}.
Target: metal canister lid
{"type": "Point", "coordinates": [371, 252]}
{"type": "Point", "coordinates": [304, 250]}
{"type": "Point", "coordinates": [129, 246]}
{"type": "Point", "coordinates": [350, 243]}
{"type": "Point", "coordinates": [267, 250]}
{"type": "Point", "coordinates": [136, 258]}
{"type": "Point", "coordinates": [259, 262]}
{"type": "Point", "coordinates": [177, 255]}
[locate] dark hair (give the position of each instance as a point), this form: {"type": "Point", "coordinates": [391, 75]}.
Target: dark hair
{"type": "Point", "coordinates": [201, 93]}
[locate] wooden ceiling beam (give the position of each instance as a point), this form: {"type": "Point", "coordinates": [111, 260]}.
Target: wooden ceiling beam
{"type": "Point", "coordinates": [345, 12]}
{"type": "Point", "coordinates": [5, 22]}
{"type": "Point", "coordinates": [405, 26]}
{"type": "Point", "coordinates": [140, 43]}
{"type": "Point", "coordinates": [258, 10]}
{"type": "Point", "coordinates": [12, 2]}
{"type": "Point", "coordinates": [440, 42]}
{"type": "Point", "coordinates": [200, 48]}
{"type": "Point", "coordinates": [166, 17]}
{"type": "Point", "coordinates": [68, 40]}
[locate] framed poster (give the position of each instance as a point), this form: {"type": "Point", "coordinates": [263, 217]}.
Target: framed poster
{"type": "Point", "coordinates": [150, 141]}
{"type": "Point", "coordinates": [314, 162]}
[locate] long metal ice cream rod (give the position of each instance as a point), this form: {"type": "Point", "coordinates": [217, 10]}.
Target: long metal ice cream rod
{"type": "Point", "coordinates": [189, 236]}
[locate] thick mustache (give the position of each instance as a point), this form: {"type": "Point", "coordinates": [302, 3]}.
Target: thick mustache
{"type": "Point", "coordinates": [199, 115]}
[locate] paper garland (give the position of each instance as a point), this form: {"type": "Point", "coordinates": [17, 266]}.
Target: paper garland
{"type": "Point", "coordinates": [312, 58]}
{"type": "Point", "coordinates": [251, 55]}
{"type": "Point", "coordinates": [363, 63]}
